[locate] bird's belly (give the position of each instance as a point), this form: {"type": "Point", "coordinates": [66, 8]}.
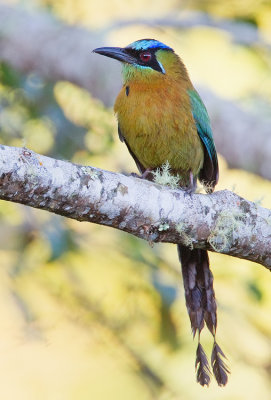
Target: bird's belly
{"type": "Point", "coordinates": [159, 141]}
{"type": "Point", "coordinates": [157, 132]}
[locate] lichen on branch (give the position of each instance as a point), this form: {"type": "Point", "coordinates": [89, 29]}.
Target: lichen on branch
{"type": "Point", "coordinates": [222, 222]}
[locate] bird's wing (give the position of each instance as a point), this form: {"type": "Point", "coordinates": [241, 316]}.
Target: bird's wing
{"type": "Point", "coordinates": [138, 164]}
{"type": "Point", "coordinates": [209, 171]}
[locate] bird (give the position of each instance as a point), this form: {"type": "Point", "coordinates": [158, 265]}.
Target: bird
{"type": "Point", "coordinates": [162, 119]}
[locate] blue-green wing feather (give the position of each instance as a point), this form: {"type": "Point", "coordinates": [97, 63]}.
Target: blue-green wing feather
{"type": "Point", "coordinates": [209, 171]}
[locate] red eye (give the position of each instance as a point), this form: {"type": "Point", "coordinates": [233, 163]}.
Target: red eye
{"type": "Point", "coordinates": [145, 56]}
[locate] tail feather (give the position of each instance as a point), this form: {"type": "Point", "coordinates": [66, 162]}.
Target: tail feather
{"type": "Point", "coordinates": [202, 367]}
{"type": "Point", "coordinates": [201, 307]}
{"type": "Point", "coordinates": [220, 369]}
{"type": "Point", "coordinates": [198, 286]}
{"type": "Point", "coordinates": [210, 312]}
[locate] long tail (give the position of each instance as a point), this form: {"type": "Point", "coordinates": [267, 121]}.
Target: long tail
{"type": "Point", "coordinates": [201, 307]}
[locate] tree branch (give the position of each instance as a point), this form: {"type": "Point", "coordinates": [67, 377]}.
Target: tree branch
{"type": "Point", "coordinates": [35, 42]}
{"type": "Point", "coordinates": [222, 222]}
{"type": "Point", "coordinates": [243, 33]}
{"type": "Point", "coordinates": [235, 135]}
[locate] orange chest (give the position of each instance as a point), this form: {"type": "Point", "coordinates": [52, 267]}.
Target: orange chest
{"type": "Point", "coordinates": [142, 108]}
{"type": "Point", "coordinates": [158, 125]}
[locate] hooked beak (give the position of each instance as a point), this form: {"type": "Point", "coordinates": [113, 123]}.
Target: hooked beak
{"type": "Point", "coordinates": [118, 53]}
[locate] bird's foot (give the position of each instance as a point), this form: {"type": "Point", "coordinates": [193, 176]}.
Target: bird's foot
{"type": "Point", "coordinates": [135, 175]}
{"type": "Point", "coordinates": [143, 176]}
{"type": "Point", "coordinates": [188, 191]}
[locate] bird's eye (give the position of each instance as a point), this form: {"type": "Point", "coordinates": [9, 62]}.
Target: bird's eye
{"type": "Point", "coordinates": [145, 56]}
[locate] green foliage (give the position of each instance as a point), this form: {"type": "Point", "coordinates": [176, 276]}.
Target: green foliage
{"type": "Point", "coordinates": [8, 76]}
{"type": "Point", "coordinates": [33, 114]}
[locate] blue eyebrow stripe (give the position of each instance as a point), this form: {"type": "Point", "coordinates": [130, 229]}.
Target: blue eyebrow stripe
{"type": "Point", "coordinates": [146, 44]}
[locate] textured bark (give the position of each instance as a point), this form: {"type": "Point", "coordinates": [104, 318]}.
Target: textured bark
{"type": "Point", "coordinates": [222, 222]}
{"type": "Point", "coordinates": [37, 43]}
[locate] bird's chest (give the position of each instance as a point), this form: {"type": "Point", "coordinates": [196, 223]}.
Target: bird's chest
{"type": "Point", "coordinates": [158, 127]}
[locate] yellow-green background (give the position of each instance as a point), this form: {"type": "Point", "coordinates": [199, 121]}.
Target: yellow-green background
{"type": "Point", "coordinates": [87, 312]}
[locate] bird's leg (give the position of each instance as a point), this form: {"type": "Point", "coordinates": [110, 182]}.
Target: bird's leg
{"type": "Point", "coordinates": [191, 188]}
{"type": "Point", "coordinates": [146, 173]}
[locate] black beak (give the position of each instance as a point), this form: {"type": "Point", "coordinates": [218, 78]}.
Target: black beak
{"type": "Point", "coordinates": [118, 53]}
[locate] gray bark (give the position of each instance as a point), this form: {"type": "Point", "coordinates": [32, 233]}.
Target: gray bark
{"type": "Point", "coordinates": [222, 222]}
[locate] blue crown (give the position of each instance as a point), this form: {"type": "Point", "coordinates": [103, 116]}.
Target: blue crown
{"type": "Point", "coordinates": [146, 44]}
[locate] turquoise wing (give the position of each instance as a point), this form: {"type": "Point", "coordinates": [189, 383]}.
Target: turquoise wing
{"type": "Point", "coordinates": [209, 171]}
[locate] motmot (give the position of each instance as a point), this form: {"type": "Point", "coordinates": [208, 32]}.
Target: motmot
{"type": "Point", "coordinates": [162, 119]}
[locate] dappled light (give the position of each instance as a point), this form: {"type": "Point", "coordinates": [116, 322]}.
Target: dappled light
{"type": "Point", "coordinates": [89, 312]}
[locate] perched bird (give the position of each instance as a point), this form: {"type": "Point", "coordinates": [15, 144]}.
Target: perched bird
{"type": "Point", "coordinates": [162, 119]}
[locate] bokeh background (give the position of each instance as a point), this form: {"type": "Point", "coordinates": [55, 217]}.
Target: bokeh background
{"type": "Point", "coordinates": [87, 312]}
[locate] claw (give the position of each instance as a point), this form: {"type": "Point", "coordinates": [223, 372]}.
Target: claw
{"type": "Point", "coordinates": [143, 176]}
{"type": "Point", "coordinates": [135, 175]}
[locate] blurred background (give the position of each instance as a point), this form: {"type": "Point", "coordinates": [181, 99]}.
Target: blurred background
{"type": "Point", "coordinates": [88, 312]}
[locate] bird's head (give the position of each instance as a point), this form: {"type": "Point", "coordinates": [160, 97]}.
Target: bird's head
{"type": "Point", "coordinates": [143, 59]}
